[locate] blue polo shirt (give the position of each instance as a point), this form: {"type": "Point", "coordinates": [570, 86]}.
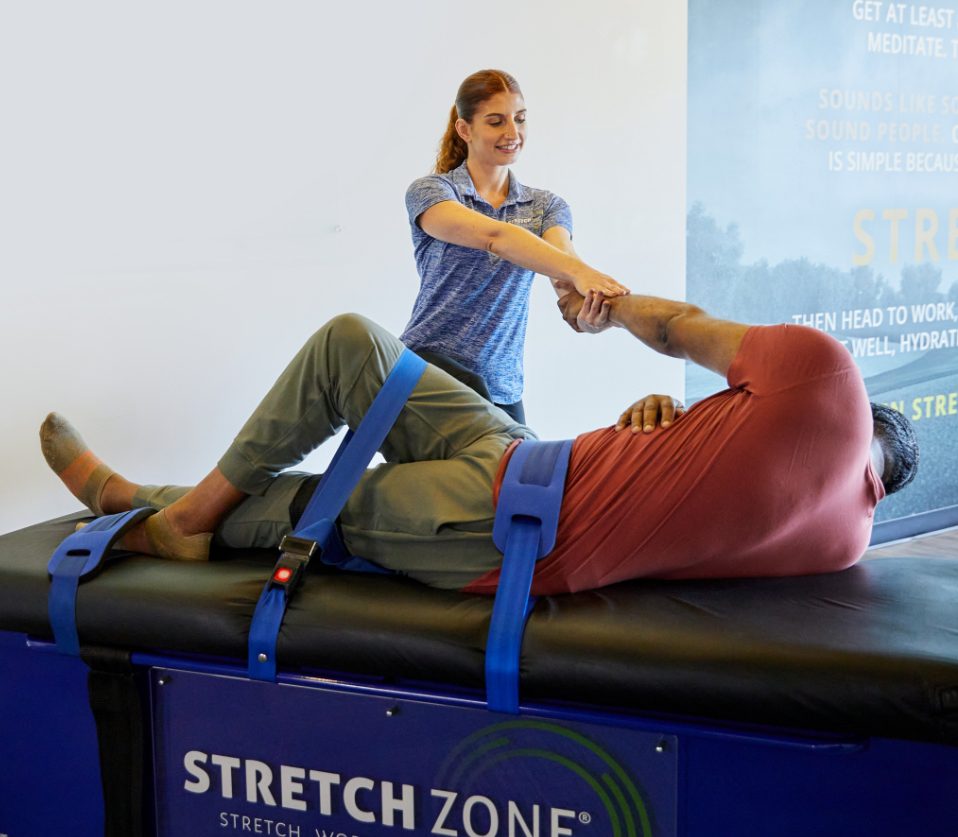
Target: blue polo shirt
{"type": "Point", "coordinates": [473, 305]}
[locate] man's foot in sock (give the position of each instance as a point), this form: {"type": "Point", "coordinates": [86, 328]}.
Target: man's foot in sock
{"type": "Point", "coordinates": [166, 540]}
{"type": "Point", "coordinates": [157, 536]}
{"type": "Point", "coordinates": [85, 475]}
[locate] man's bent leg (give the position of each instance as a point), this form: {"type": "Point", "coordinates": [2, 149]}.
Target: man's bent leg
{"type": "Point", "coordinates": [332, 381]}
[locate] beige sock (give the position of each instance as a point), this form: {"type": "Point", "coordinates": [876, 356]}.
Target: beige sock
{"type": "Point", "coordinates": [81, 470]}
{"type": "Point", "coordinates": [166, 543]}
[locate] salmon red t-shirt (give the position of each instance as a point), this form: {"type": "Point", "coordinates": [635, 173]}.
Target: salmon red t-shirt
{"type": "Point", "coordinates": [771, 477]}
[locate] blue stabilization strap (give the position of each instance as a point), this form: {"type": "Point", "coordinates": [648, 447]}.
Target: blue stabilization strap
{"type": "Point", "coordinates": [81, 555]}
{"type": "Point", "coordinates": [527, 518]}
{"type": "Point", "coordinates": [317, 526]}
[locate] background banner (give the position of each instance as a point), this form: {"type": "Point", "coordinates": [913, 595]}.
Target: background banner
{"type": "Point", "coordinates": [823, 189]}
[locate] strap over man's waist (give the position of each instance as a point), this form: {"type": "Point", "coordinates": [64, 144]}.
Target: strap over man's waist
{"type": "Point", "coordinates": [527, 519]}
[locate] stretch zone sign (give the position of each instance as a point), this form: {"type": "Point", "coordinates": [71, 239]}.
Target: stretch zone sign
{"type": "Point", "coordinates": [366, 800]}
{"type": "Point", "coordinates": [327, 764]}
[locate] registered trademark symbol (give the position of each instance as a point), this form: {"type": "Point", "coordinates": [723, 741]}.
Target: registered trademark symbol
{"type": "Point", "coordinates": [585, 817]}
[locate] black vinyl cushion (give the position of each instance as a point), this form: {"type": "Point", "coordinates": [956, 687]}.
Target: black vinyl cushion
{"type": "Point", "coordinates": [872, 650]}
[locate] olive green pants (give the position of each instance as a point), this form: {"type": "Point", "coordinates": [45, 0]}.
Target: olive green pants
{"type": "Point", "coordinates": [427, 512]}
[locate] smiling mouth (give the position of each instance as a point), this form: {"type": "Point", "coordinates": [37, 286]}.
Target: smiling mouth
{"type": "Point", "coordinates": [509, 147]}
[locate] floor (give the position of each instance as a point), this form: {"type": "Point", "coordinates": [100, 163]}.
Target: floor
{"type": "Point", "coordinates": [939, 544]}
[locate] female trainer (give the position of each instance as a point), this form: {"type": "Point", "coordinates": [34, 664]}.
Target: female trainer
{"type": "Point", "coordinates": [479, 236]}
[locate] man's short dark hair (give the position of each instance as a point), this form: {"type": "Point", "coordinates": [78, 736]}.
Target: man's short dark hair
{"type": "Point", "coordinates": [900, 444]}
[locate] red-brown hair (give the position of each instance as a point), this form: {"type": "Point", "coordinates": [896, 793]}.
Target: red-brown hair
{"type": "Point", "coordinates": [472, 92]}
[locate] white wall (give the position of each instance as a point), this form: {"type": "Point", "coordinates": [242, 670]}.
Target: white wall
{"type": "Point", "coordinates": [188, 189]}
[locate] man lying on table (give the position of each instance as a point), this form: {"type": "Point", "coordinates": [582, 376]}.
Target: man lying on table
{"type": "Point", "coordinates": [777, 475]}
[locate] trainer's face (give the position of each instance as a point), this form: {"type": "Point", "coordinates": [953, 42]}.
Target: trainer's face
{"type": "Point", "coordinates": [497, 131]}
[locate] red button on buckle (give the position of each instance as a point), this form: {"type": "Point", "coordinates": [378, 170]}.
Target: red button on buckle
{"type": "Point", "coordinates": [282, 575]}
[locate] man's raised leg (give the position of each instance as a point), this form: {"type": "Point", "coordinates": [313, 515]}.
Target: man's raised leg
{"type": "Point", "coordinates": [332, 381]}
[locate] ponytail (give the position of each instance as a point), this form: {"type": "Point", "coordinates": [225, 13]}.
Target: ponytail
{"type": "Point", "coordinates": [452, 149]}
{"type": "Point", "coordinates": [476, 89]}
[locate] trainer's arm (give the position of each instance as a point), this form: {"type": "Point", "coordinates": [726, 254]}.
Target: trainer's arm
{"type": "Point", "coordinates": [558, 236]}
{"type": "Point", "coordinates": [456, 224]}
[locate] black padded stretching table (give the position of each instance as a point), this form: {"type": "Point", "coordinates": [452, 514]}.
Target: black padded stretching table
{"type": "Point", "coordinates": [815, 705]}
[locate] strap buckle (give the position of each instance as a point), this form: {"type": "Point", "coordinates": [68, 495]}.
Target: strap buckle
{"type": "Point", "coordinates": [295, 554]}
